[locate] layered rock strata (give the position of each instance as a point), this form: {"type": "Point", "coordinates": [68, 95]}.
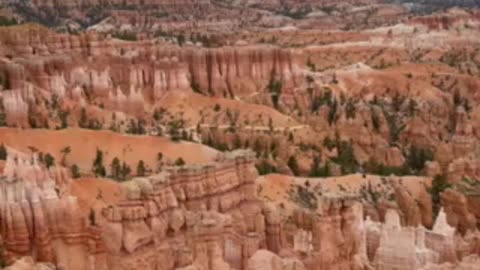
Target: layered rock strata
{"type": "Point", "coordinates": [40, 219]}
{"type": "Point", "coordinates": [205, 217]}
{"type": "Point", "coordinates": [92, 69]}
{"type": "Point", "coordinates": [391, 246]}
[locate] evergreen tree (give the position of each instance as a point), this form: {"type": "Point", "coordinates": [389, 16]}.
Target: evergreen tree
{"type": "Point", "coordinates": [91, 217]}
{"type": "Point", "coordinates": [332, 113]}
{"type": "Point", "coordinates": [417, 157]}
{"type": "Point", "coordinates": [75, 171]}
{"type": "Point", "coordinates": [63, 115]}
{"type": "Point", "coordinates": [65, 151]}
{"type": "Point", "coordinates": [317, 170]}
{"type": "Point", "coordinates": [237, 142]}
{"type": "Point", "coordinates": [290, 137]}
{"type": "Point", "coordinates": [141, 168]}
{"type": "Point", "coordinates": [457, 98]}
{"type": "Point", "coordinates": [412, 107]}
{"type": "Point", "coordinates": [346, 158]}
{"type": "Point", "coordinates": [98, 169]}
{"type": "Point", "coordinates": [49, 160]}
{"type": "Point", "coordinates": [275, 89]}
{"type": "Point", "coordinates": [375, 120]}
{"type": "Point", "coordinates": [125, 171]}
{"type": "Point", "coordinates": [83, 122]}
{"type": "Point", "coordinates": [179, 162]}
{"type": "Point", "coordinates": [293, 165]}
{"type": "Point", "coordinates": [264, 167]}
{"type": "Point", "coordinates": [439, 184]}
{"type": "Point", "coordinates": [3, 263]}
{"type": "Point", "coordinates": [3, 152]}
{"type": "Point", "coordinates": [116, 169]}
{"type": "Point", "coordinates": [159, 161]}
{"type": "Point", "coordinates": [184, 135]}
{"type": "Point", "coordinates": [350, 110]}
{"type": "Point", "coordinates": [257, 147]}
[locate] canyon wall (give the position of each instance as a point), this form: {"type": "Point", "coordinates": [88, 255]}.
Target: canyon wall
{"type": "Point", "coordinates": [92, 69]}
{"type": "Point", "coordinates": [391, 246]}
{"type": "Point", "coordinates": [191, 217]}
{"type": "Point", "coordinates": [206, 217]}
{"type": "Point", "coordinates": [40, 219]}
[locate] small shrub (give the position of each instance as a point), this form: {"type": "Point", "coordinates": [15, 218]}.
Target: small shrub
{"type": "Point", "coordinates": [75, 171]}
{"type": "Point", "coordinates": [179, 162]}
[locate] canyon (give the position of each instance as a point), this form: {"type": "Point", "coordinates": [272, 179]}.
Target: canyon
{"type": "Point", "coordinates": [239, 135]}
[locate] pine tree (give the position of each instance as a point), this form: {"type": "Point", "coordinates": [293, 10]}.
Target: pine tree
{"type": "Point", "coordinates": [75, 171]}
{"type": "Point", "coordinates": [3, 152]}
{"type": "Point", "coordinates": [317, 170]}
{"type": "Point", "coordinates": [98, 168]}
{"type": "Point", "coordinates": [257, 147]}
{"type": "Point", "coordinates": [179, 162]}
{"type": "Point", "coordinates": [115, 169]}
{"type": "Point", "coordinates": [125, 171]}
{"type": "Point", "coordinates": [290, 137]}
{"type": "Point", "coordinates": [83, 122]}
{"type": "Point", "coordinates": [91, 217]}
{"type": "Point", "coordinates": [417, 157]}
{"type": "Point", "coordinates": [237, 142]}
{"type": "Point", "coordinates": [439, 184]}
{"type": "Point", "coordinates": [332, 113]}
{"type": "Point", "coordinates": [293, 165]}
{"type": "Point", "coordinates": [63, 115]}
{"type": "Point", "coordinates": [346, 158]}
{"type": "Point", "coordinates": [65, 151]}
{"type": "Point", "coordinates": [141, 168]}
{"type": "Point", "coordinates": [375, 120]}
{"type": "Point", "coordinates": [159, 161]}
{"type": "Point", "coordinates": [49, 160]}
{"type": "Point", "coordinates": [350, 110]}
{"type": "Point", "coordinates": [275, 89]}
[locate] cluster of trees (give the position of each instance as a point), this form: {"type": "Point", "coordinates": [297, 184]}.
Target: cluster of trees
{"type": "Point", "coordinates": [176, 130]}
{"type": "Point", "coordinates": [136, 127]}
{"type": "Point", "coordinates": [7, 21]}
{"type": "Point", "coordinates": [85, 122]}
{"type": "Point", "coordinates": [319, 101]}
{"type": "Point", "coordinates": [125, 35]}
{"type": "Point", "coordinates": [415, 161]}
{"type": "Point", "coordinates": [264, 167]}
{"type": "Point", "coordinates": [346, 157]}
{"type": "Point", "coordinates": [119, 170]}
{"type": "Point", "coordinates": [417, 157]}
{"type": "Point", "coordinates": [317, 170]}
{"type": "Point", "coordinates": [211, 141]}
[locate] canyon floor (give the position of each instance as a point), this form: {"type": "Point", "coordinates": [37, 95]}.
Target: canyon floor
{"type": "Point", "coordinates": [239, 135]}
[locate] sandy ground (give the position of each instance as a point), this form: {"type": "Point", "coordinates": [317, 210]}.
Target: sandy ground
{"type": "Point", "coordinates": [95, 192]}
{"type": "Point", "coordinates": [84, 143]}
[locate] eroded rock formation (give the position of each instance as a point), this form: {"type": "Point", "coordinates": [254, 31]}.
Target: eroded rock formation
{"type": "Point", "coordinates": [40, 219]}
{"type": "Point", "coordinates": [391, 246]}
